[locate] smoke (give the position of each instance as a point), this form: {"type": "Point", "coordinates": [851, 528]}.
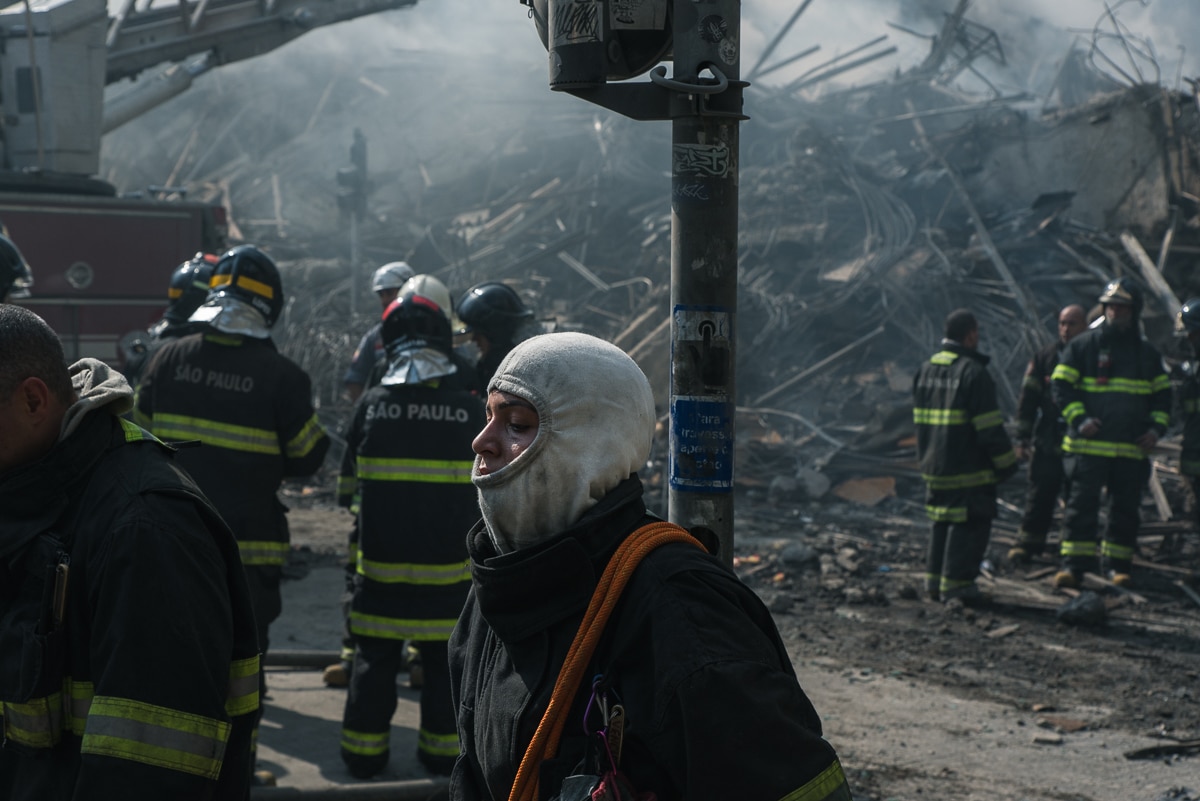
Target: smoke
{"type": "Point", "coordinates": [1034, 34]}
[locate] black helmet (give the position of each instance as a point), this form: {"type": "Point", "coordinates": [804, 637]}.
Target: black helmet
{"type": "Point", "coordinates": [189, 286]}
{"type": "Point", "coordinates": [15, 275]}
{"type": "Point", "coordinates": [1122, 292]}
{"type": "Point", "coordinates": [247, 274]}
{"type": "Point", "coordinates": [415, 321]}
{"type": "Point", "coordinates": [1188, 319]}
{"type": "Point", "coordinates": [492, 309]}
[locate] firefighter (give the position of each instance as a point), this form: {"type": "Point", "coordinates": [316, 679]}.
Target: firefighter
{"type": "Point", "coordinates": [15, 275]}
{"type": "Point", "coordinates": [1115, 397]}
{"type": "Point", "coordinates": [1187, 323]}
{"type": "Point", "coordinates": [186, 290]}
{"type": "Point", "coordinates": [964, 453]}
{"type": "Point", "coordinates": [689, 662]}
{"type": "Point", "coordinates": [338, 675]}
{"type": "Point", "coordinates": [251, 410]}
{"type": "Point", "coordinates": [386, 285]}
{"type": "Point", "coordinates": [494, 316]}
{"type": "Point", "coordinates": [408, 461]}
{"type": "Point", "coordinates": [128, 660]}
{"type": "Point", "coordinates": [1039, 438]}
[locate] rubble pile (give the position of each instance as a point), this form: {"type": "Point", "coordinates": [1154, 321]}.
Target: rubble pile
{"type": "Point", "coordinates": [867, 214]}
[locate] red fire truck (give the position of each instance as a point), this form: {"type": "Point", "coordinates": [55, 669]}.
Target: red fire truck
{"type": "Point", "coordinates": [101, 262]}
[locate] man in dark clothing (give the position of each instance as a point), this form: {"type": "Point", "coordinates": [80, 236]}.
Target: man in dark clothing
{"type": "Point", "coordinates": [1188, 324]}
{"type": "Point", "coordinates": [186, 290]}
{"type": "Point", "coordinates": [386, 285]}
{"type": "Point", "coordinates": [251, 409]}
{"type": "Point", "coordinates": [1040, 431]}
{"type": "Point", "coordinates": [496, 318]}
{"type": "Point", "coordinates": [1115, 397]}
{"type": "Point", "coordinates": [408, 463]}
{"type": "Point", "coordinates": [964, 452]}
{"type": "Point", "coordinates": [690, 685]}
{"type": "Point", "coordinates": [128, 660]}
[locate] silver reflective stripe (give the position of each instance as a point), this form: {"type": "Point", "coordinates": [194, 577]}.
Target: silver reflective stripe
{"type": "Point", "coordinates": [156, 735]}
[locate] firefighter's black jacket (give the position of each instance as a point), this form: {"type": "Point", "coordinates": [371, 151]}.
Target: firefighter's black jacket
{"type": "Point", "coordinates": [1038, 417]}
{"type": "Point", "coordinates": [147, 689]}
{"type": "Point", "coordinates": [251, 408]}
{"type": "Point", "coordinates": [1118, 378]}
{"type": "Point", "coordinates": [961, 442]}
{"type": "Point", "coordinates": [407, 466]}
{"type": "Point", "coordinates": [713, 708]}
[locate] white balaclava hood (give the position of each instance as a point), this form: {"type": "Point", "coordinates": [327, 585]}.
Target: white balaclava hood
{"type": "Point", "coordinates": [595, 428]}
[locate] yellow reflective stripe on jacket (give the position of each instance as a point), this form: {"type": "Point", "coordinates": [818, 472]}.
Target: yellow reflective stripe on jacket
{"type": "Point", "coordinates": [1077, 548]}
{"type": "Point", "coordinates": [346, 486]}
{"type": "Point", "coordinates": [443, 745]}
{"type": "Point", "coordinates": [142, 419]}
{"type": "Point", "coordinates": [1073, 410]}
{"type": "Point", "coordinates": [939, 417]}
{"type": "Point", "coordinates": [987, 420]}
{"type": "Point", "coordinates": [394, 628]}
{"type": "Point", "coordinates": [1064, 373]}
{"type": "Point", "coordinates": [78, 695]}
{"type": "Point", "coordinates": [136, 433]}
{"type": "Point", "coordinates": [1126, 386]}
{"type": "Point", "coordinates": [365, 743]}
{"type": "Point", "coordinates": [37, 723]}
{"type": "Point", "coordinates": [1005, 460]}
{"type": "Point", "coordinates": [1162, 418]}
{"type": "Point", "coordinates": [408, 573]}
{"type": "Point", "coordinates": [1161, 383]}
{"type": "Point", "coordinates": [219, 435]}
{"type": "Point", "coordinates": [828, 785]}
{"type": "Point", "coordinates": [960, 481]}
{"type": "Point", "coordinates": [303, 443]}
{"type": "Point", "coordinates": [242, 696]}
{"type": "Point", "coordinates": [943, 357]}
{"type": "Point", "coordinates": [1112, 550]}
{"type": "Point", "coordinates": [432, 471]}
{"type": "Point", "coordinates": [263, 552]}
{"type": "Point", "coordinates": [946, 514]}
{"type": "Point", "coordinates": [156, 735]}
{"type": "Point", "coordinates": [1097, 447]}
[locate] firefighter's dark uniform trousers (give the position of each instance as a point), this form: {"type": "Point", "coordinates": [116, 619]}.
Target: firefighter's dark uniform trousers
{"type": "Point", "coordinates": [408, 462]}
{"type": "Point", "coordinates": [1117, 378]}
{"type": "Point", "coordinates": [1038, 420]}
{"type": "Point", "coordinates": [963, 452]}
{"type": "Point", "coordinates": [251, 409]}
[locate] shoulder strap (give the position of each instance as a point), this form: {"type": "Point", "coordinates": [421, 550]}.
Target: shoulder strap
{"type": "Point", "coordinates": [629, 554]}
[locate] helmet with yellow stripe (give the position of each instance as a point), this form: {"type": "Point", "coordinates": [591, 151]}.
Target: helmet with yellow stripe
{"type": "Point", "coordinates": [247, 274]}
{"type": "Point", "coordinates": [189, 286]}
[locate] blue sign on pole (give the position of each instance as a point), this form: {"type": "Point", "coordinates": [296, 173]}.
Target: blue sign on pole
{"type": "Point", "coordinates": [701, 445]}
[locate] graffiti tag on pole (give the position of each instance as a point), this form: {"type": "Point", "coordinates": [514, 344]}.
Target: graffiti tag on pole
{"type": "Point", "coordinates": [704, 160]}
{"type": "Point", "coordinates": [574, 22]}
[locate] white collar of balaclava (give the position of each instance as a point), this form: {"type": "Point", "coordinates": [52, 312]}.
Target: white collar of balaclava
{"type": "Point", "coordinates": [595, 428]}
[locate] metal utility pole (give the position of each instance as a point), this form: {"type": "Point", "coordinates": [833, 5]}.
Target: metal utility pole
{"type": "Point", "coordinates": [704, 235]}
{"type": "Point", "coordinates": [592, 42]}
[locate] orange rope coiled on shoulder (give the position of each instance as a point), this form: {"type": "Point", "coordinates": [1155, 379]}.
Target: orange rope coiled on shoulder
{"type": "Point", "coordinates": [544, 744]}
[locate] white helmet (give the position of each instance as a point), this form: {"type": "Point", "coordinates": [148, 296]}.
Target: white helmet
{"type": "Point", "coordinates": [391, 276]}
{"type": "Point", "coordinates": [429, 287]}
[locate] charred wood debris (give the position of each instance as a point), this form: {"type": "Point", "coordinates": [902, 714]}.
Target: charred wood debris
{"type": "Point", "coordinates": [867, 214]}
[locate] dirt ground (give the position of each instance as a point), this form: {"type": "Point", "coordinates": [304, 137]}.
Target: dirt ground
{"type": "Point", "coordinates": [925, 702]}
